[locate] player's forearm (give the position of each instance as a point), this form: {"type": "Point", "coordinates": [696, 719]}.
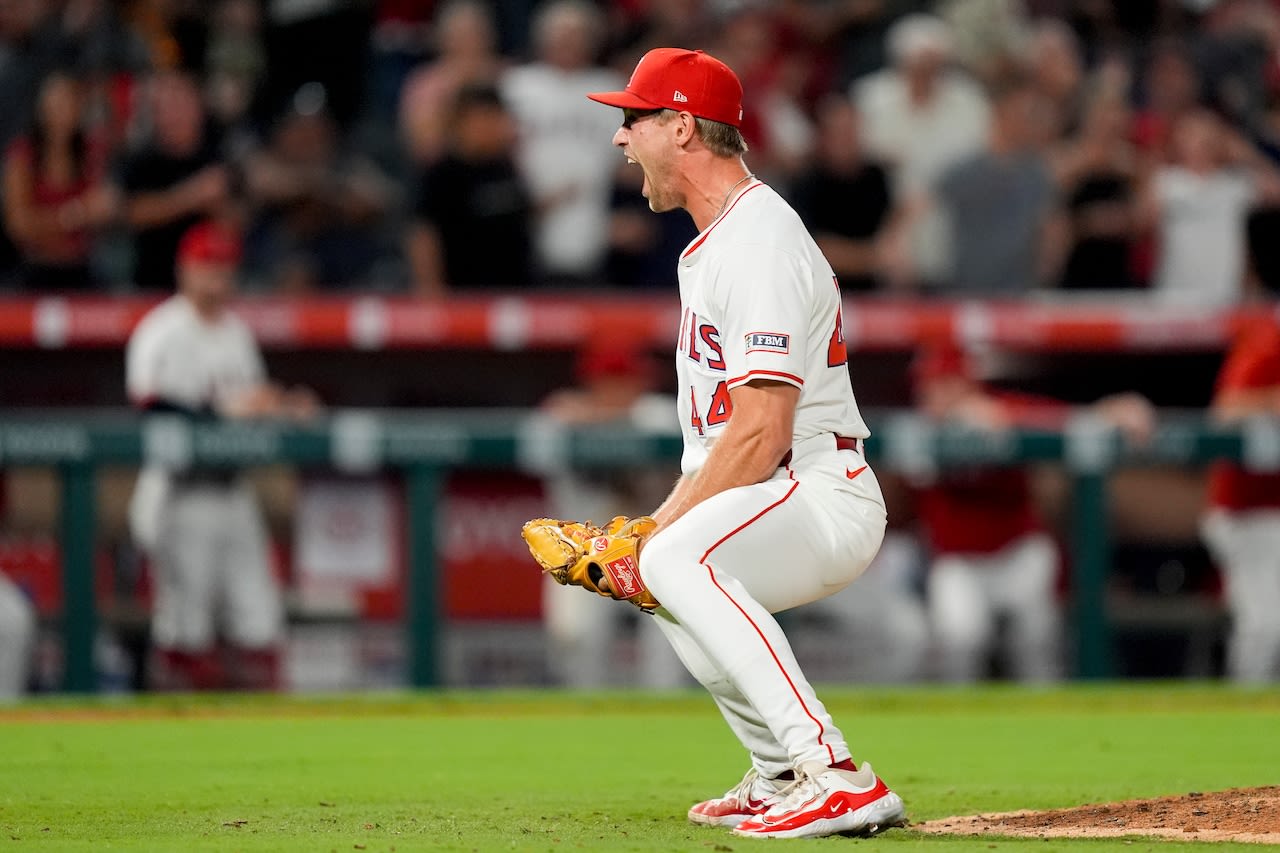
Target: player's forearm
{"type": "Point", "coordinates": [1241, 404]}
{"type": "Point", "coordinates": [667, 511]}
{"type": "Point", "coordinates": [738, 458]}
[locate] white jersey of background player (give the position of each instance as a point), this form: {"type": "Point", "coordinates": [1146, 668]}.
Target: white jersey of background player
{"type": "Point", "coordinates": [776, 506]}
{"type": "Point", "coordinates": [202, 529]}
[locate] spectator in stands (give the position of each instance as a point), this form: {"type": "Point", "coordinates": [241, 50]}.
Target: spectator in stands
{"type": "Point", "coordinates": [992, 559]}
{"type": "Point", "coordinates": [643, 246]}
{"type": "Point", "coordinates": [55, 191]}
{"type": "Point", "coordinates": [845, 199]}
{"type": "Point", "coordinates": [921, 117]}
{"type": "Point", "coordinates": [1199, 204]}
{"type": "Point", "coordinates": [614, 386]}
{"type": "Point", "coordinates": [235, 68]}
{"type": "Point", "coordinates": [319, 205]}
{"type": "Point", "coordinates": [1171, 87]}
{"type": "Point", "coordinates": [1098, 169]}
{"type": "Point", "coordinates": [859, 33]}
{"type": "Point", "coordinates": [640, 27]}
{"type": "Point", "coordinates": [466, 54]}
{"type": "Point", "coordinates": [31, 46]}
{"type": "Point", "coordinates": [1002, 202]}
{"type": "Point", "coordinates": [201, 528]}
{"type": "Point", "coordinates": [317, 41]}
{"type": "Point", "coordinates": [113, 59]}
{"type": "Point", "coordinates": [1241, 526]}
{"type": "Point", "coordinates": [988, 35]}
{"type": "Point", "coordinates": [473, 217]}
{"type": "Point", "coordinates": [398, 43]}
{"type": "Point", "coordinates": [175, 179]}
{"type": "Point", "coordinates": [775, 73]}
{"type": "Point", "coordinates": [1052, 54]}
{"type": "Point", "coordinates": [565, 150]}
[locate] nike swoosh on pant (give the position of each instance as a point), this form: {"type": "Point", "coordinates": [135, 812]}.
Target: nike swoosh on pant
{"type": "Point", "coordinates": [853, 474]}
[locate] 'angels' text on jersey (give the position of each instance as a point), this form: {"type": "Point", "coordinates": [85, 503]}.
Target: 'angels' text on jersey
{"type": "Point", "coordinates": [759, 301]}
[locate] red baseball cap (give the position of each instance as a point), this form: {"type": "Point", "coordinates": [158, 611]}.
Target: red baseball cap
{"type": "Point", "coordinates": [689, 81]}
{"type": "Point", "coordinates": [210, 243]}
{"type": "Point", "coordinates": [613, 361]}
{"type": "Point", "coordinates": [941, 361]}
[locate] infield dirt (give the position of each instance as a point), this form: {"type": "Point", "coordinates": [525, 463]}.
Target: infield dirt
{"type": "Point", "coordinates": [1242, 814]}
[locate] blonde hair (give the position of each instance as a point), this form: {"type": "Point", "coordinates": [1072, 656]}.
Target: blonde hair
{"type": "Point", "coordinates": [722, 140]}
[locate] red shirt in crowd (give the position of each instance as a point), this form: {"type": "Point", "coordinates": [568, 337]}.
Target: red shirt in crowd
{"type": "Point", "coordinates": [66, 246]}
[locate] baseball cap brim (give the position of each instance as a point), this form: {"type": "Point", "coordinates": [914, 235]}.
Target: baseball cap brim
{"type": "Point", "coordinates": [623, 100]}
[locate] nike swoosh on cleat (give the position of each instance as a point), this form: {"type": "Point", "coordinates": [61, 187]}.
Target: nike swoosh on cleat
{"type": "Point", "coordinates": [853, 474]}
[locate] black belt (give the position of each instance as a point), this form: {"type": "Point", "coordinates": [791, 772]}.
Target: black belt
{"type": "Point", "coordinates": [220, 478]}
{"type": "Point", "coordinates": [843, 442]}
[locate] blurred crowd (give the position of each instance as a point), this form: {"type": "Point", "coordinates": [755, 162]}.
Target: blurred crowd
{"type": "Point", "coordinates": [954, 147]}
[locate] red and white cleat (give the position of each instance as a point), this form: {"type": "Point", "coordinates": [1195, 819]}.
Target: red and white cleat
{"type": "Point", "coordinates": [754, 795]}
{"type": "Point", "coordinates": [825, 801]}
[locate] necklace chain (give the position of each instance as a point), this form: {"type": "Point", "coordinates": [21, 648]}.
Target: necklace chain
{"type": "Point", "coordinates": [725, 203]}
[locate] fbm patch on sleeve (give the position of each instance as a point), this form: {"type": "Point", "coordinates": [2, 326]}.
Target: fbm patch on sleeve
{"type": "Point", "coordinates": [768, 342]}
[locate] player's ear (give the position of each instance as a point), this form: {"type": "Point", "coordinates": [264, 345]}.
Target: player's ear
{"type": "Point", "coordinates": [686, 128]}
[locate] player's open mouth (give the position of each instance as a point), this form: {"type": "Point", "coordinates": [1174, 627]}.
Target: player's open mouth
{"type": "Point", "coordinates": [644, 187]}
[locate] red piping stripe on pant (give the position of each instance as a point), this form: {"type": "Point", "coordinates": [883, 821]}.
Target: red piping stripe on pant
{"type": "Point", "coordinates": [785, 674]}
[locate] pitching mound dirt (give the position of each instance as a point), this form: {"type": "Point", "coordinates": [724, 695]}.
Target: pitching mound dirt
{"type": "Point", "coordinates": [1243, 814]}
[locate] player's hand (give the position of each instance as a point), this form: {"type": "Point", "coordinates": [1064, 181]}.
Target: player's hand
{"type": "Point", "coordinates": [299, 403]}
{"type": "Point", "coordinates": [260, 401]}
{"type": "Point", "coordinates": [981, 411]}
{"type": "Point", "coordinates": [1132, 414]}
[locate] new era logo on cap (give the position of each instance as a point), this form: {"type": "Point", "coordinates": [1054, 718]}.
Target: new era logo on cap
{"type": "Point", "coordinates": [684, 80]}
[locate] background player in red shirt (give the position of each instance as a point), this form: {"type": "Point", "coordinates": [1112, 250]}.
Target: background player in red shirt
{"type": "Point", "coordinates": [992, 558]}
{"type": "Point", "coordinates": [1242, 523]}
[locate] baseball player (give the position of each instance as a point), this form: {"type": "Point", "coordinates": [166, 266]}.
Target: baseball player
{"type": "Point", "coordinates": [775, 506]}
{"type": "Point", "coordinates": [1242, 524]}
{"type": "Point", "coordinates": [202, 528]}
{"type": "Point", "coordinates": [992, 557]}
{"type": "Point", "coordinates": [17, 634]}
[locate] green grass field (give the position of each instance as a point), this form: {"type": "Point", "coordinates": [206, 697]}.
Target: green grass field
{"type": "Point", "coordinates": [548, 771]}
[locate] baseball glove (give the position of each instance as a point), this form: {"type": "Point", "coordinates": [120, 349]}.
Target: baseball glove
{"type": "Point", "coordinates": [601, 560]}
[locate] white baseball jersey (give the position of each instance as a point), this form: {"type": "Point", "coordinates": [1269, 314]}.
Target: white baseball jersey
{"type": "Point", "coordinates": [759, 301]}
{"type": "Point", "coordinates": [175, 355]}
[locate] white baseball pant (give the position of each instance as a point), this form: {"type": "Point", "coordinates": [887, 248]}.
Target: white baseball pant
{"type": "Point", "coordinates": [724, 567]}
{"type": "Point", "coordinates": [967, 595]}
{"type": "Point", "coordinates": [213, 570]}
{"type": "Point", "coordinates": [1246, 547]}
{"type": "Point", "coordinates": [17, 634]}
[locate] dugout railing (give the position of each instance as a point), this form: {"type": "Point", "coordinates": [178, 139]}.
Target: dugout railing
{"type": "Point", "coordinates": [424, 445]}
